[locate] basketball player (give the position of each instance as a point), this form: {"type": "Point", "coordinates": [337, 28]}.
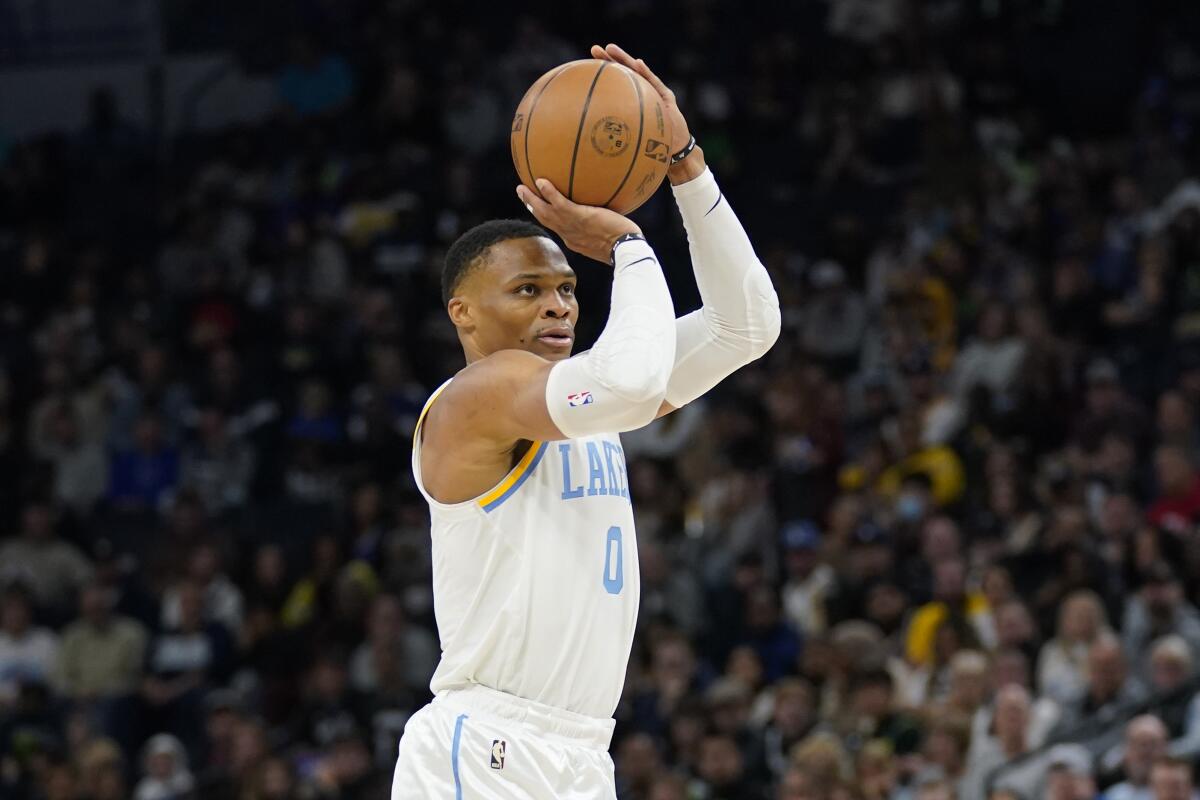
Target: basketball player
{"type": "Point", "coordinates": [535, 569]}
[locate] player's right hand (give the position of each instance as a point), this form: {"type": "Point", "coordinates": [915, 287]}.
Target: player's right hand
{"type": "Point", "coordinates": [588, 230]}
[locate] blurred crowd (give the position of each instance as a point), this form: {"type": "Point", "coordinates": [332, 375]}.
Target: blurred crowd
{"type": "Point", "coordinates": [940, 543]}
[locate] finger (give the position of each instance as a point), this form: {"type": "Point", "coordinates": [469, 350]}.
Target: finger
{"type": "Point", "coordinates": [600, 53]}
{"type": "Point", "coordinates": [615, 53]}
{"type": "Point", "coordinates": [637, 65]}
{"type": "Point", "coordinates": [534, 204]}
{"type": "Point", "coordinates": [553, 196]}
{"type": "Point", "coordinates": [654, 80]}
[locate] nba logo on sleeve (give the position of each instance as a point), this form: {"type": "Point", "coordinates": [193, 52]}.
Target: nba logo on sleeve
{"type": "Point", "coordinates": [579, 399]}
{"type": "Point", "coordinates": [498, 748]}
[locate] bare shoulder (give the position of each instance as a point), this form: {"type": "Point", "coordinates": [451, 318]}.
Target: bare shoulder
{"type": "Point", "coordinates": [481, 396]}
{"type": "Point", "coordinates": [472, 428]}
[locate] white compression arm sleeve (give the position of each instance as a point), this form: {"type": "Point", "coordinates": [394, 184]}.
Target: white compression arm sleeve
{"type": "Point", "coordinates": [619, 384]}
{"type": "Point", "coordinates": [740, 318]}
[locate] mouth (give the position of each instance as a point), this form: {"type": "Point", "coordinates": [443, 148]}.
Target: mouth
{"type": "Point", "coordinates": [559, 338]}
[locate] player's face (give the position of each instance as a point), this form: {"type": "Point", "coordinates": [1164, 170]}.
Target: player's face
{"type": "Point", "coordinates": [523, 298]}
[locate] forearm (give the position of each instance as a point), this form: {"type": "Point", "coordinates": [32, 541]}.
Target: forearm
{"type": "Point", "coordinates": [619, 384]}
{"type": "Point", "coordinates": [739, 320]}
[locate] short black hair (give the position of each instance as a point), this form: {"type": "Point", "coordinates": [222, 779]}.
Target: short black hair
{"type": "Point", "coordinates": [466, 251]}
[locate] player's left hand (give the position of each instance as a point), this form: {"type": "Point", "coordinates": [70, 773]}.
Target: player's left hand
{"type": "Point", "coordinates": [588, 230]}
{"type": "Point", "coordinates": [680, 135]}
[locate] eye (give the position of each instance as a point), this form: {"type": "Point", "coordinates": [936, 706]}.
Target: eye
{"type": "Point", "coordinates": [528, 290]}
{"type": "Point", "coordinates": [568, 288]}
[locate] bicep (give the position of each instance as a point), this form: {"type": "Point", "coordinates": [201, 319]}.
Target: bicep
{"type": "Point", "coordinates": [503, 397]}
{"type": "Point", "coordinates": [516, 395]}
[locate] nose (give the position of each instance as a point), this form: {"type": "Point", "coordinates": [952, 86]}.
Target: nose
{"type": "Point", "coordinates": [558, 308]}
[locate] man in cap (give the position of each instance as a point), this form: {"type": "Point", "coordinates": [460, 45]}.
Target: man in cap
{"type": "Point", "coordinates": [808, 579]}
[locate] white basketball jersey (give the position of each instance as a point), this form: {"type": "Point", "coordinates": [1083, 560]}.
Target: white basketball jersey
{"type": "Point", "coordinates": [536, 582]}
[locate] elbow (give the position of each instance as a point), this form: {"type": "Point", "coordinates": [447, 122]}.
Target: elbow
{"type": "Point", "coordinates": [772, 325]}
{"type": "Point", "coordinates": [765, 321]}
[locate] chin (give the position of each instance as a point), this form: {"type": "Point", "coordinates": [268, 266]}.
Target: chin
{"type": "Point", "coordinates": [551, 353]}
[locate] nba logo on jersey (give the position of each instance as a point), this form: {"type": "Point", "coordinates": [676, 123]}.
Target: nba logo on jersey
{"type": "Point", "coordinates": [497, 754]}
{"type": "Point", "coordinates": [579, 399]}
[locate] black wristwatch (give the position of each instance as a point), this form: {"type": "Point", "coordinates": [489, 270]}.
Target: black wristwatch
{"type": "Point", "coordinates": [627, 237]}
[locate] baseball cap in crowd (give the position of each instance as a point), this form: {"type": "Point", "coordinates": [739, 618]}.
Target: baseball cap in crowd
{"type": "Point", "coordinates": [800, 535]}
{"type": "Point", "coordinates": [1074, 758]}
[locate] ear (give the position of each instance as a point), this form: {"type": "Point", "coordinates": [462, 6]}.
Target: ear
{"type": "Point", "coordinates": [460, 313]}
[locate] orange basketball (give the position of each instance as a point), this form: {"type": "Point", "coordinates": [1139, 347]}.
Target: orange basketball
{"type": "Point", "coordinates": [597, 131]}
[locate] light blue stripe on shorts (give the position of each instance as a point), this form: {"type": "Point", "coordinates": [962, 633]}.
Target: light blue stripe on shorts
{"type": "Point", "coordinates": [454, 755]}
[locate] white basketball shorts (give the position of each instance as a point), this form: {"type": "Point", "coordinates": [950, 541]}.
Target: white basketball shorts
{"type": "Point", "coordinates": [481, 744]}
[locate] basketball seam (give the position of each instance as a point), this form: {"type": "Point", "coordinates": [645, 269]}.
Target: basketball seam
{"type": "Point", "coordinates": [637, 148]}
{"type": "Point", "coordinates": [529, 124]}
{"type": "Point", "coordinates": [587, 102]}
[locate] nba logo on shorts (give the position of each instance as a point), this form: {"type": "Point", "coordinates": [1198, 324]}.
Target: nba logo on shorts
{"type": "Point", "coordinates": [497, 754]}
{"type": "Point", "coordinates": [579, 399]}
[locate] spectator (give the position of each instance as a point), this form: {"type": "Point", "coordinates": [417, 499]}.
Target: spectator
{"type": "Point", "coordinates": [80, 468]}
{"type": "Point", "coordinates": [1178, 502]}
{"type": "Point", "coordinates": [640, 764]}
{"type": "Point", "coordinates": [1011, 667]}
{"type": "Point", "coordinates": [222, 598]}
{"type": "Point", "coordinates": [1159, 608]}
{"type": "Point", "coordinates": [27, 653]}
{"type": "Point", "coordinates": [182, 662]}
{"type": "Point", "coordinates": [1145, 743]}
{"type": "Point", "coordinates": [217, 466]}
{"type": "Point", "coordinates": [835, 318]}
{"type": "Point", "coordinates": [415, 650]}
{"type": "Point", "coordinates": [672, 596]}
{"type": "Point", "coordinates": [1008, 741]}
{"type": "Point", "coordinates": [1171, 779]}
{"type": "Point", "coordinates": [102, 655]}
{"type": "Point", "coordinates": [877, 774]}
{"type": "Point", "coordinates": [1062, 662]}
{"type": "Point", "coordinates": [1110, 687]}
{"type": "Point", "coordinates": [792, 718]}
{"type": "Point", "coordinates": [165, 771]}
{"type": "Point", "coordinates": [872, 714]}
{"type": "Point", "coordinates": [968, 684]}
{"type": "Point", "coordinates": [54, 569]}
{"type": "Point", "coordinates": [776, 644]}
{"type": "Point", "coordinates": [951, 601]}
{"type": "Point", "coordinates": [152, 390]}
{"type": "Point", "coordinates": [1069, 774]}
{"type": "Point", "coordinates": [808, 581]}
{"type": "Point", "coordinates": [945, 749]}
{"type": "Point", "coordinates": [142, 476]}
{"type": "Point", "coordinates": [992, 358]}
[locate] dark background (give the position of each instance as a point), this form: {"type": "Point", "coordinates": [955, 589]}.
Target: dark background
{"type": "Point", "coordinates": [984, 226]}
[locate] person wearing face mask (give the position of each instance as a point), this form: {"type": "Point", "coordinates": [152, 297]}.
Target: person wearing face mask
{"type": "Point", "coordinates": [914, 500]}
{"type": "Point", "coordinates": [938, 466]}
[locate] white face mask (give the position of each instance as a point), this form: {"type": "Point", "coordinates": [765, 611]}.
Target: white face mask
{"type": "Point", "coordinates": [910, 507]}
